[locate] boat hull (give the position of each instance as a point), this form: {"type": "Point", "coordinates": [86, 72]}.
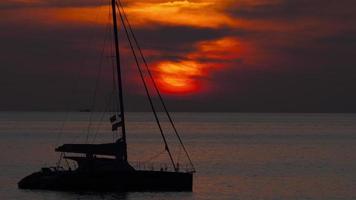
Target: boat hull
{"type": "Point", "coordinates": [108, 181]}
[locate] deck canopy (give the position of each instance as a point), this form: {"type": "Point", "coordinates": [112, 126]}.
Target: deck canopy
{"type": "Point", "coordinates": [108, 149]}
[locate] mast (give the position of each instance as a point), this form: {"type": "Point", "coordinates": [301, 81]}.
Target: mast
{"type": "Point", "coordinates": [119, 82]}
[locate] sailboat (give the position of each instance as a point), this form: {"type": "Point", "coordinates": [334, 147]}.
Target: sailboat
{"type": "Point", "coordinates": [105, 167]}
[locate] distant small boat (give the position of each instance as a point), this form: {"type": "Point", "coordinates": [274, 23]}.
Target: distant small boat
{"type": "Point", "coordinates": [105, 167]}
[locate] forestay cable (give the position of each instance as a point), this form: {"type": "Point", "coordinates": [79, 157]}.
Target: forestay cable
{"type": "Point", "coordinates": [146, 88]}
{"type": "Point", "coordinates": [119, 5]}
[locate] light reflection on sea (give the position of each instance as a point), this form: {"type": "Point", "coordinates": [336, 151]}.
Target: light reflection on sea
{"type": "Point", "coordinates": [237, 156]}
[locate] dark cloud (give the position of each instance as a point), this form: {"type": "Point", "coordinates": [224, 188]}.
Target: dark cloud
{"type": "Point", "coordinates": [175, 41]}
{"type": "Point", "coordinates": [318, 77]}
{"type": "Point", "coordinates": [8, 4]}
{"type": "Point", "coordinates": [40, 65]}
{"type": "Point", "coordinates": [291, 9]}
{"type": "Point", "coordinates": [301, 59]}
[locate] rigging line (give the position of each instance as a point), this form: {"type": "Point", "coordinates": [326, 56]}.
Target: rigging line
{"type": "Point", "coordinates": [146, 89]}
{"type": "Point", "coordinates": [97, 82]}
{"type": "Point", "coordinates": [111, 98]}
{"type": "Point", "coordinates": [155, 85]}
{"type": "Point", "coordinates": [100, 124]}
{"type": "Point", "coordinates": [75, 87]}
{"type": "Point", "coordinates": [111, 61]}
{"type": "Point", "coordinates": [114, 95]}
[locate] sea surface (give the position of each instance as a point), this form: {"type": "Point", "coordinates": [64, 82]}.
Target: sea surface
{"type": "Point", "coordinates": [236, 155]}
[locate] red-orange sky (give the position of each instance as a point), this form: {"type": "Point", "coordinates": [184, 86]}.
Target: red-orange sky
{"type": "Point", "coordinates": [238, 55]}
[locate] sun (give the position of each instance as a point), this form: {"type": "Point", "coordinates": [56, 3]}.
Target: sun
{"type": "Point", "coordinates": [178, 77]}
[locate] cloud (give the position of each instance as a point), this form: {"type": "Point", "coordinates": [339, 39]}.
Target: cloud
{"type": "Point", "coordinates": [251, 55]}
{"type": "Point", "coordinates": [20, 4]}
{"type": "Point", "coordinates": [187, 13]}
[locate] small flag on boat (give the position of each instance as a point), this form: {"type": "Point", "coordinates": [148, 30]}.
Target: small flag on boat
{"type": "Point", "coordinates": [116, 126]}
{"type": "Point", "coordinates": [113, 119]}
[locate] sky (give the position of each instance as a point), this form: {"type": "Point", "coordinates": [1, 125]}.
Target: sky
{"type": "Point", "coordinates": [205, 55]}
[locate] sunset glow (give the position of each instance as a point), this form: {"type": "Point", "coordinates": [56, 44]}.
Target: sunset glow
{"type": "Point", "coordinates": [191, 45]}
{"type": "Point", "coordinates": [207, 14]}
{"type": "Point", "coordinates": [174, 77]}
{"type": "Point", "coordinates": [84, 15]}
{"type": "Point", "coordinates": [221, 49]}
{"type": "Point", "coordinates": [178, 77]}
{"type": "Point", "coordinates": [188, 13]}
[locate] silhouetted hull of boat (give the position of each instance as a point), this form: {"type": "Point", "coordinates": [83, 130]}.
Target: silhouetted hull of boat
{"type": "Point", "coordinates": [108, 181]}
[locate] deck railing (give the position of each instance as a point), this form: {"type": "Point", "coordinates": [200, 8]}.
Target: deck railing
{"type": "Point", "coordinates": [159, 166]}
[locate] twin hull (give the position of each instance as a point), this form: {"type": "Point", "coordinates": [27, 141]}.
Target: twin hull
{"type": "Point", "coordinates": [109, 181]}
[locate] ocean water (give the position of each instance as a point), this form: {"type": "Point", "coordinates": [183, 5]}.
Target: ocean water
{"type": "Point", "coordinates": [237, 156]}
